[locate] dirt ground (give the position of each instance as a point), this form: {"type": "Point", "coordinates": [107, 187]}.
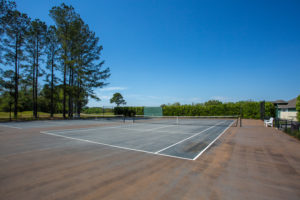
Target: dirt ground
{"type": "Point", "coordinates": [249, 162]}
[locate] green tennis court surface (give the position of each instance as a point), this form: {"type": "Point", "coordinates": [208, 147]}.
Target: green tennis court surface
{"type": "Point", "coordinates": [179, 137]}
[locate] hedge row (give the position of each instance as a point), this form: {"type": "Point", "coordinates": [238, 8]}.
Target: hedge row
{"type": "Point", "coordinates": [129, 111]}
{"type": "Point", "coordinates": [298, 108]}
{"type": "Point", "coordinates": [97, 110]}
{"type": "Point", "coordinates": [249, 110]}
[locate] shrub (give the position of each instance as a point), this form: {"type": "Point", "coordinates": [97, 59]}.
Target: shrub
{"type": "Point", "coordinates": [298, 108]}
{"type": "Point", "coordinates": [250, 109]}
{"type": "Point", "coordinates": [128, 111]}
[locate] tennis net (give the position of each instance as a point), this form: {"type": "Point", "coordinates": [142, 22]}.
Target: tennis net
{"type": "Point", "coordinates": [189, 120]}
{"type": "Point", "coordinates": [107, 118]}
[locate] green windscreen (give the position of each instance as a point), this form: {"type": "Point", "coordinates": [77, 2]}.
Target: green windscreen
{"type": "Point", "coordinates": [153, 111]}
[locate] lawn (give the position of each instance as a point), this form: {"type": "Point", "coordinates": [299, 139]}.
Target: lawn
{"type": "Point", "coordinates": [26, 114]}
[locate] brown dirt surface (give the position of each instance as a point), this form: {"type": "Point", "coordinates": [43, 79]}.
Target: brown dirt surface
{"type": "Point", "coordinates": [249, 162]}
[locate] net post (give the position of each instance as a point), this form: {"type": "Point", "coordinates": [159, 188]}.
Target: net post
{"type": "Point", "coordinates": [241, 115]}
{"type": "Point", "coordinates": [240, 121]}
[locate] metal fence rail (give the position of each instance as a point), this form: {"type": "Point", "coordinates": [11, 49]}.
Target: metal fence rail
{"type": "Point", "coordinates": [287, 125]}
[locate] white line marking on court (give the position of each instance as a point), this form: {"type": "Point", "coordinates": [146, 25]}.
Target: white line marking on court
{"type": "Point", "coordinates": [109, 145]}
{"type": "Point", "coordinates": [110, 127]}
{"type": "Point", "coordinates": [10, 126]}
{"type": "Point", "coordinates": [161, 154]}
{"type": "Point", "coordinates": [152, 129]}
{"type": "Point", "coordinates": [82, 129]}
{"type": "Point", "coordinates": [187, 138]}
{"type": "Point", "coordinates": [212, 142]}
{"type": "Point", "coordinates": [74, 130]}
{"type": "Point", "coordinates": [167, 132]}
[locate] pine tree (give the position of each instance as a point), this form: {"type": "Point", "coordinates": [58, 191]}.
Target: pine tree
{"type": "Point", "coordinates": [63, 16]}
{"type": "Point", "coordinates": [89, 71]}
{"type": "Point", "coordinates": [5, 8]}
{"type": "Point", "coordinates": [81, 58]}
{"type": "Point", "coordinates": [13, 46]}
{"type": "Point", "coordinates": [52, 51]}
{"type": "Point", "coordinates": [36, 41]}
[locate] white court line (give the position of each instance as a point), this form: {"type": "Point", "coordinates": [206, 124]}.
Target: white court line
{"type": "Point", "coordinates": [109, 145]}
{"type": "Point", "coordinates": [138, 150]}
{"type": "Point", "coordinates": [168, 132]}
{"type": "Point", "coordinates": [110, 127]}
{"type": "Point", "coordinates": [187, 138]}
{"type": "Point", "coordinates": [97, 128]}
{"type": "Point", "coordinates": [146, 130]}
{"type": "Point", "coordinates": [10, 126]}
{"type": "Point", "coordinates": [212, 142]}
{"type": "Point", "coordinates": [74, 130]}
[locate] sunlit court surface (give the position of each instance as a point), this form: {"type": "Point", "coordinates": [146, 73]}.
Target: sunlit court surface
{"type": "Point", "coordinates": [184, 138]}
{"type": "Point", "coordinates": [149, 100]}
{"type": "Point", "coordinates": [145, 158]}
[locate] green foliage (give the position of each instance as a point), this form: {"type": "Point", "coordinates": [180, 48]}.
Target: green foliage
{"type": "Point", "coordinates": [269, 109]}
{"type": "Point", "coordinates": [80, 57]}
{"type": "Point", "coordinates": [117, 99]}
{"type": "Point", "coordinates": [36, 41]}
{"type": "Point", "coordinates": [129, 111]}
{"type": "Point", "coordinates": [98, 110]}
{"type": "Point", "coordinates": [6, 7]}
{"type": "Point", "coordinates": [126, 111]}
{"type": "Point", "coordinates": [298, 108]}
{"type": "Point", "coordinates": [212, 103]}
{"type": "Point", "coordinates": [15, 35]}
{"type": "Point", "coordinates": [250, 110]}
{"type": "Point", "coordinates": [71, 48]}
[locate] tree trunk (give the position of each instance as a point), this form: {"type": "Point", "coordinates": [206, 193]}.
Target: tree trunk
{"type": "Point", "coordinates": [64, 98]}
{"type": "Point", "coordinates": [52, 89]}
{"type": "Point", "coordinates": [16, 80]}
{"type": "Point", "coordinates": [78, 100]}
{"type": "Point", "coordinates": [71, 93]}
{"type": "Point", "coordinates": [36, 79]}
{"type": "Point", "coordinates": [33, 85]}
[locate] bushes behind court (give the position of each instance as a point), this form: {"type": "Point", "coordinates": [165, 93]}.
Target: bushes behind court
{"type": "Point", "coordinates": [98, 110]}
{"type": "Point", "coordinates": [298, 108]}
{"type": "Point", "coordinates": [250, 110]}
{"type": "Point", "coordinates": [129, 111]}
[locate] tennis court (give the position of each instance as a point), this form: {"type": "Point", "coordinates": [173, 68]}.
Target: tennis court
{"type": "Point", "coordinates": [159, 159]}
{"type": "Point", "coordinates": [181, 138]}
{"type": "Point", "coordinates": [62, 123]}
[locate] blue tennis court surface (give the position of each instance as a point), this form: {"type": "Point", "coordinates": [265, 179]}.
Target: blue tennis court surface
{"type": "Point", "coordinates": [180, 141]}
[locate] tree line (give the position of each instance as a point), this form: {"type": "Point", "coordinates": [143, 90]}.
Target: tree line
{"type": "Point", "coordinates": [245, 109]}
{"type": "Point", "coordinates": [66, 55]}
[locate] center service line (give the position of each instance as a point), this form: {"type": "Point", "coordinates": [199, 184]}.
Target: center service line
{"type": "Point", "coordinates": [187, 138]}
{"type": "Point", "coordinates": [199, 154]}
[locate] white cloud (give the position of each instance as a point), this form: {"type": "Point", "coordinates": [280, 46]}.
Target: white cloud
{"type": "Point", "coordinates": [221, 98]}
{"type": "Point", "coordinates": [113, 88]}
{"type": "Point", "coordinates": [104, 97]}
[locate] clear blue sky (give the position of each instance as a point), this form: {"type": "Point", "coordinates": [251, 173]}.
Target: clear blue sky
{"type": "Point", "coordinates": [166, 51]}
